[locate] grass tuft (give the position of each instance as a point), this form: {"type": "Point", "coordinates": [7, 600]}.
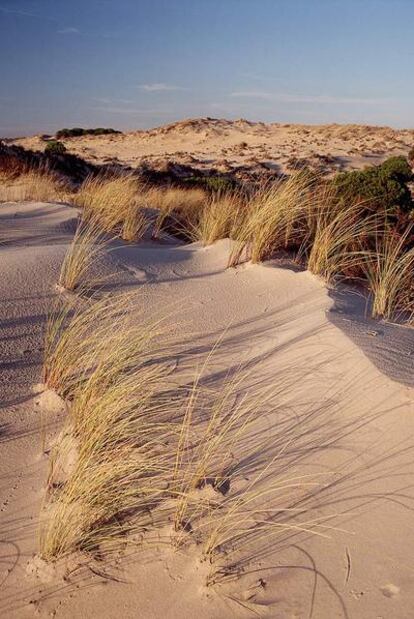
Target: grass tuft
{"type": "Point", "coordinates": [33, 185]}
{"type": "Point", "coordinates": [389, 271]}
{"type": "Point", "coordinates": [115, 204]}
{"type": "Point", "coordinates": [272, 219]}
{"type": "Point", "coordinates": [341, 240]}
{"type": "Point", "coordinates": [86, 248]}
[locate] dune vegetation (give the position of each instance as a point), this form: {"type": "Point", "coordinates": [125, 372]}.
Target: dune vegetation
{"type": "Point", "coordinates": [356, 226]}
{"type": "Point", "coordinates": [32, 184]}
{"type": "Point", "coordinates": [192, 464]}
{"type": "Point", "coordinates": [138, 454]}
{"type": "Point", "coordinates": [115, 204]}
{"type": "Point", "coordinates": [85, 250]}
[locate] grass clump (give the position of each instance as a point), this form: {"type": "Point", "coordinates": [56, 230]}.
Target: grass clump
{"type": "Point", "coordinates": [85, 249]}
{"type": "Point", "coordinates": [115, 204]}
{"type": "Point", "coordinates": [274, 219]}
{"type": "Point", "coordinates": [195, 464]}
{"type": "Point", "coordinates": [104, 366]}
{"type": "Point", "coordinates": [341, 240]}
{"type": "Point", "coordinates": [80, 334]}
{"type": "Point", "coordinates": [218, 218]}
{"type": "Point", "coordinates": [119, 463]}
{"type": "Point", "coordinates": [178, 208]}
{"type": "Point", "coordinates": [33, 184]}
{"type": "Point", "coordinates": [389, 271]}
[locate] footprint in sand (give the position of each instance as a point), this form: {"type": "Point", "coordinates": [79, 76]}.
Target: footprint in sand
{"type": "Point", "coordinates": [139, 274]}
{"type": "Point", "coordinates": [390, 591]}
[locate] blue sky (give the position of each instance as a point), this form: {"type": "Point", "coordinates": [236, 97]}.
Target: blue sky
{"type": "Point", "coordinates": [141, 63]}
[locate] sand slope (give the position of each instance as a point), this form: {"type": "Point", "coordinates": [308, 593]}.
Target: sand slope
{"type": "Point", "coordinates": [347, 377]}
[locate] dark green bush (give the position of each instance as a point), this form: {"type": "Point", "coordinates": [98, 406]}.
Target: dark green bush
{"type": "Point", "coordinates": [79, 131]}
{"type": "Point", "coordinates": [383, 186]}
{"type": "Point", "coordinates": [212, 183]}
{"type": "Point", "coordinates": [54, 147]}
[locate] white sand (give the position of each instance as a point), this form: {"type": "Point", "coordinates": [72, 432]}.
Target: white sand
{"type": "Point", "coordinates": [352, 374]}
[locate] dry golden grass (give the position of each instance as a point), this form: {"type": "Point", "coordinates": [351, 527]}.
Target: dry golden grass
{"type": "Point", "coordinates": [105, 365]}
{"type": "Point", "coordinates": [199, 459]}
{"type": "Point", "coordinates": [36, 185]}
{"type": "Point", "coordinates": [145, 457]}
{"type": "Point", "coordinates": [234, 494]}
{"type": "Point", "coordinates": [118, 468]}
{"type": "Point", "coordinates": [390, 273]}
{"type": "Point", "coordinates": [82, 334]}
{"type": "Point", "coordinates": [134, 225]}
{"type": "Point", "coordinates": [86, 248]}
{"type": "Point", "coordinates": [218, 218]}
{"type": "Point", "coordinates": [183, 206]}
{"type": "Point", "coordinates": [272, 219]}
{"type": "Point", "coordinates": [115, 204]}
{"type": "Point", "coordinates": [70, 340]}
{"type": "Point", "coordinates": [341, 238]}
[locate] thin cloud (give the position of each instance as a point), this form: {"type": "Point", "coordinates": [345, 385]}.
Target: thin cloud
{"type": "Point", "coordinates": [111, 101]}
{"type": "Point", "coordinates": [160, 87]}
{"type": "Point", "coordinates": [109, 109]}
{"type": "Point", "coordinates": [254, 94]}
{"type": "Point", "coordinates": [316, 99]}
{"type": "Point", "coordinates": [69, 31]}
{"type": "Point", "coordinates": [23, 13]}
{"type": "Point", "coordinates": [6, 10]}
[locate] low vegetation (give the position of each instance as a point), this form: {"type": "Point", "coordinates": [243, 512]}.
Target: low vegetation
{"type": "Point", "coordinates": [85, 250]}
{"type": "Point", "coordinates": [389, 271]}
{"type": "Point", "coordinates": [384, 186]}
{"type": "Point", "coordinates": [79, 131]}
{"type": "Point", "coordinates": [32, 184]}
{"type": "Point", "coordinates": [212, 183]}
{"type": "Point", "coordinates": [191, 465]}
{"type": "Point", "coordinates": [81, 334]}
{"type": "Point", "coordinates": [54, 147]}
{"type": "Point", "coordinates": [334, 227]}
{"type": "Point", "coordinates": [178, 209]}
{"type": "Point", "coordinates": [115, 204]}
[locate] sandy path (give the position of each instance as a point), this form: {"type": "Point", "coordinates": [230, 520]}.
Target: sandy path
{"type": "Point", "coordinates": [351, 374]}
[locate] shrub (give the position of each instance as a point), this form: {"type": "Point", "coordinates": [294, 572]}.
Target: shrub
{"type": "Point", "coordinates": [79, 131]}
{"type": "Point", "coordinates": [384, 186]}
{"type": "Point", "coordinates": [212, 183]}
{"type": "Point", "coordinates": [55, 148]}
{"type": "Point", "coordinates": [410, 156]}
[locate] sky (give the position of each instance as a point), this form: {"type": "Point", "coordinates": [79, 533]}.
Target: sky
{"type": "Point", "coordinates": [132, 64]}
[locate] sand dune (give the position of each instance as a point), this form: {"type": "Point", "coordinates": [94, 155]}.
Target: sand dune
{"type": "Point", "coordinates": [349, 378]}
{"type": "Point", "coordinates": [233, 146]}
